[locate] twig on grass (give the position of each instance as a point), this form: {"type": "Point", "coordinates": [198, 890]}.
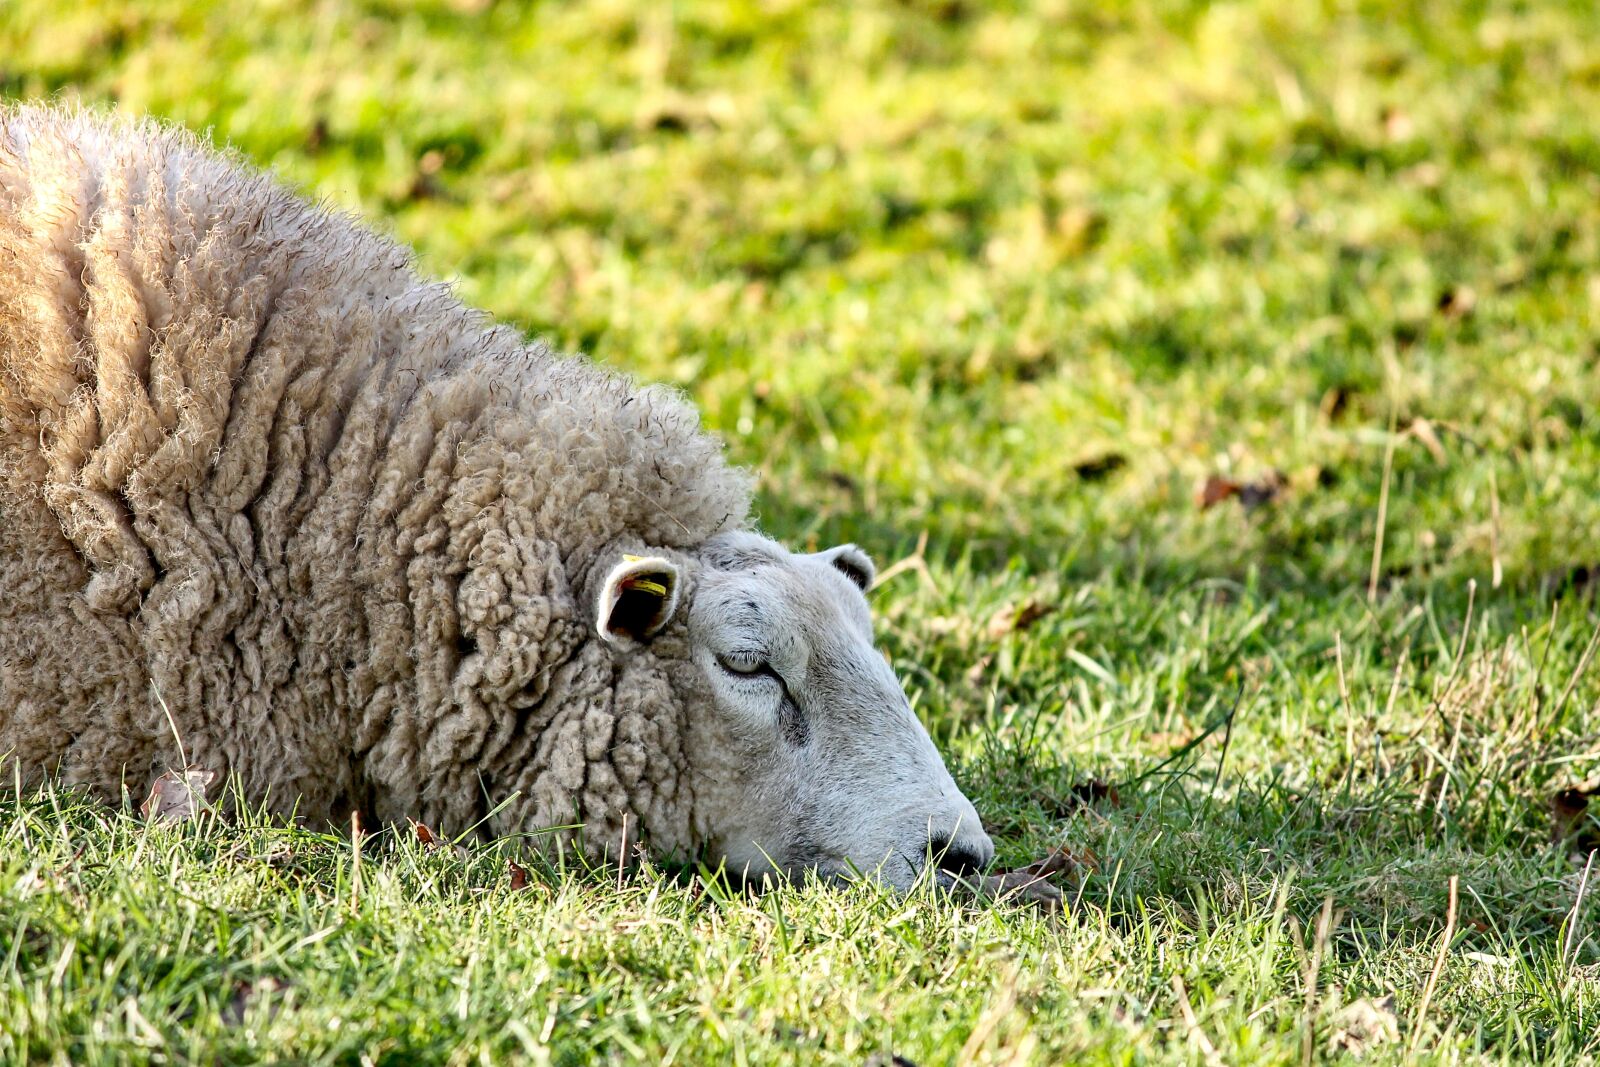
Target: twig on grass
{"type": "Point", "coordinates": [622, 852]}
{"type": "Point", "coordinates": [1383, 510]}
{"type": "Point", "coordinates": [917, 561]}
{"type": "Point", "coordinates": [998, 1009]}
{"type": "Point", "coordinates": [1577, 672]}
{"type": "Point", "coordinates": [1438, 967]}
{"type": "Point", "coordinates": [183, 757]}
{"type": "Point", "coordinates": [1338, 661]}
{"type": "Point", "coordinates": [1495, 571]}
{"type": "Point", "coordinates": [1308, 1037]}
{"type": "Point", "coordinates": [1567, 954]}
{"type": "Point", "coordinates": [1446, 763]}
{"type": "Point", "coordinates": [355, 860]}
{"type": "Point", "coordinates": [1196, 1035]}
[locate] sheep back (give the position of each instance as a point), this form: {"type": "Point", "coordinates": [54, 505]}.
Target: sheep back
{"type": "Point", "coordinates": [265, 492]}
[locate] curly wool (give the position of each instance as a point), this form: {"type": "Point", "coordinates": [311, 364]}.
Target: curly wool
{"type": "Point", "coordinates": [262, 486]}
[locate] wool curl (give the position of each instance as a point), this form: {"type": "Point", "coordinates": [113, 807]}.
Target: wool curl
{"type": "Point", "coordinates": [264, 490]}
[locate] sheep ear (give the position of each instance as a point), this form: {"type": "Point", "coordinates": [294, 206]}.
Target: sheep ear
{"type": "Point", "coordinates": [639, 597]}
{"type": "Point", "coordinates": [853, 563]}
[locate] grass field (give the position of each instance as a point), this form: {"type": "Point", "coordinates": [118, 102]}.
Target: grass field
{"type": "Point", "coordinates": [995, 289]}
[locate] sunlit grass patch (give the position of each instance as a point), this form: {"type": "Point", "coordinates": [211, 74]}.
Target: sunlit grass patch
{"type": "Point", "coordinates": [993, 290]}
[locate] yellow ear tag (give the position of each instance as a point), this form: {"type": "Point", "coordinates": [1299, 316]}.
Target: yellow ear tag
{"type": "Point", "coordinates": [655, 588]}
{"type": "Point", "coordinates": [645, 584]}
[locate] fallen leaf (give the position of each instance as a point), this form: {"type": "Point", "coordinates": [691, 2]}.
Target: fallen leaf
{"type": "Point", "coordinates": [1021, 887]}
{"type": "Point", "coordinates": [519, 876]}
{"type": "Point", "coordinates": [1098, 468]}
{"type": "Point", "coordinates": [1215, 491]}
{"type": "Point", "coordinates": [1570, 822]}
{"type": "Point", "coordinates": [1014, 618]}
{"type": "Point", "coordinates": [1218, 488]}
{"type": "Point", "coordinates": [177, 796]}
{"type": "Point", "coordinates": [433, 842]}
{"type": "Point", "coordinates": [1063, 860]}
{"type": "Point", "coordinates": [1031, 884]}
{"type": "Point", "coordinates": [1094, 791]}
{"type": "Point", "coordinates": [1363, 1025]}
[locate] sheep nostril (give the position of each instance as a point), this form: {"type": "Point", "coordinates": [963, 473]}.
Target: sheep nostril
{"type": "Point", "coordinates": [956, 857]}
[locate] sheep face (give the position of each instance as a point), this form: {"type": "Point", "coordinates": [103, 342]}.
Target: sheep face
{"type": "Point", "coordinates": [810, 757]}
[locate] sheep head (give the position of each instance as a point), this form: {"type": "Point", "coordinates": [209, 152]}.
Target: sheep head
{"type": "Point", "coordinates": [805, 753]}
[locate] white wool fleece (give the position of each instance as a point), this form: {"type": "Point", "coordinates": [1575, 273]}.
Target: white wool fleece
{"type": "Point", "coordinates": [352, 538]}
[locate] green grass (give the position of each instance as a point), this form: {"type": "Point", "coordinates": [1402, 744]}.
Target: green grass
{"type": "Point", "coordinates": [923, 264]}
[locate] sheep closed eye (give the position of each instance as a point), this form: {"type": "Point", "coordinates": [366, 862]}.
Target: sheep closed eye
{"type": "Point", "coordinates": [745, 665]}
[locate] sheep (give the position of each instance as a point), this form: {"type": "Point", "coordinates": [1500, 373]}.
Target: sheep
{"type": "Point", "coordinates": [273, 506]}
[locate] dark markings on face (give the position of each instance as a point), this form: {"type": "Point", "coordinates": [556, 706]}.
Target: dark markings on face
{"type": "Point", "coordinates": [792, 721]}
{"type": "Point", "coordinates": [738, 557]}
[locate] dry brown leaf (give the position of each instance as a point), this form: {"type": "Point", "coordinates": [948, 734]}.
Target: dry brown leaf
{"type": "Point", "coordinates": [1215, 491]}
{"type": "Point", "coordinates": [1363, 1025]}
{"type": "Point", "coordinates": [1094, 791]}
{"type": "Point", "coordinates": [433, 842]}
{"type": "Point", "coordinates": [1218, 488]}
{"type": "Point", "coordinates": [1021, 887]}
{"type": "Point", "coordinates": [1570, 821]}
{"type": "Point", "coordinates": [1031, 884]}
{"type": "Point", "coordinates": [177, 796]}
{"type": "Point", "coordinates": [519, 876]}
{"type": "Point", "coordinates": [1014, 618]}
{"type": "Point", "coordinates": [1063, 860]}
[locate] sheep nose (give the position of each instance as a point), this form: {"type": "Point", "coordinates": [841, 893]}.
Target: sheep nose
{"type": "Point", "coordinates": [960, 857]}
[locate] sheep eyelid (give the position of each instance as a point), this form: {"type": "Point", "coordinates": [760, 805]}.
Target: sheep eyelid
{"type": "Point", "coordinates": [759, 667]}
